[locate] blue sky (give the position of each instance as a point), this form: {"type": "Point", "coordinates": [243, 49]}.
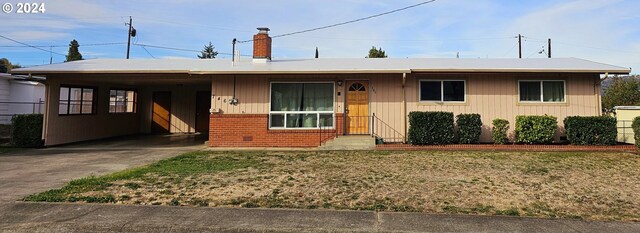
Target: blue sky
{"type": "Point", "coordinates": [600, 30]}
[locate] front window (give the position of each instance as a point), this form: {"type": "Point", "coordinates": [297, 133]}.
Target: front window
{"type": "Point", "coordinates": [301, 105]}
{"type": "Point", "coordinates": [122, 101]}
{"type": "Point", "coordinates": [442, 90]}
{"type": "Point", "coordinates": [542, 91]}
{"type": "Point", "coordinates": [76, 100]}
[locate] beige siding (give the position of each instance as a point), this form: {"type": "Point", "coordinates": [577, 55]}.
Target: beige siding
{"type": "Point", "coordinates": [67, 129]}
{"type": "Point", "coordinates": [490, 95]}
{"type": "Point", "coordinates": [183, 106]}
{"type": "Point", "coordinates": [252, 91]}
{"type": "Point", "coordinates": [60, 129]}
{"type": "Point", "coordinates": [496, 96]}
{"type": "Point", "coordinates": [386, 103]}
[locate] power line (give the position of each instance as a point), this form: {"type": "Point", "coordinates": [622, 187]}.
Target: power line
{"type": "Point", "coordinates": [190, 24]}
{"type": "Point", "coordinates": [582, 46]}
{"type": "Point", "coordinates": [412, 40]}
{"type": "Point", "coordinates": [347, 22]}
{"type": "Point", "coordinates": [536, 51]}
{"type": "Point", "coordinates": [164, 47]}
{"type": "Point", "coordinates": [28, 45]}
{"type": "Point", "coordinates": [58, 46]}
{"type": "Point", "coordinates": [591, 47]}
{"type": "Point", "coordinates": [145, 49]}
{"type": "Point", "coordinates": [68, 18]}
{"type": "Point", "coordinates": [176, 49]}
{"type": "Point", "coordinates": [511, 49]}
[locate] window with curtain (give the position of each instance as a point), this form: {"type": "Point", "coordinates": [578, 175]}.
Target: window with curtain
{"type": "Point", "coordinates": [542, 91]}
{"type": "Point", "coordinates": [301, 105]}
{"type": "Point", "coordinates": [122, 101]}
{"type": "Point", "coordinates": [442, 90]}
{"type": "Point", "coordinates": [76, 100]}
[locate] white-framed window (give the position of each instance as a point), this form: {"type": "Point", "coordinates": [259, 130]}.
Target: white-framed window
{"type": "Point", "coordinates": [122, 101]}
{"type": "Point", "coordinates": [77, 100]}
{"type": "Point", "coordinates": [301, 105]}
{"type": "Point", "coordinates": [542, 91]}
{"type": "Point", "coordinates": [442, 91]}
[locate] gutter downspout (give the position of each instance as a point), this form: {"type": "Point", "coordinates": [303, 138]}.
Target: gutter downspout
{"type": "Point", "coordinates": [597, 89]}
{"type": "Point", "coordinates": [404, 107]}
{"type": "Point", "coordinates": [45, 114]}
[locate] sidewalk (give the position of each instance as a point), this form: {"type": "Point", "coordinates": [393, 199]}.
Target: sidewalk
{"type": "Point", "coordinates": [64, 217]}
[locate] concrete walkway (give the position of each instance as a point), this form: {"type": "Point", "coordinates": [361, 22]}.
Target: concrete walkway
{"type": "Point", "coordinates": [38, 170]}
{"type": "Point", "coordinates": [48, 217]}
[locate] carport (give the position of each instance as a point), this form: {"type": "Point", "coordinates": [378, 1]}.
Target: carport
{"type": "Point", "coordinates": [88, 106]}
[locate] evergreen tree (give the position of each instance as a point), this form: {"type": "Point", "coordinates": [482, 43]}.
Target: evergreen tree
{"type": "Point", "coordinates": [376, 53]}
{"type": "Point", "coordinates": [5, 65]}
{"type": "Point", "coordinates": [621, 91]}
{"type": "Point", "coordinates": [208, 52]}
{"type": "Point", "coordinates": [74, 53]}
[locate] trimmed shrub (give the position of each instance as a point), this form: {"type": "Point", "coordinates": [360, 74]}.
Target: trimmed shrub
{"type": "Point", "coordinates": [428, 128]}
{"type": "Point", "coordinates": [469, 128]}
{"type": "Point", "coordinates": [636, 130]}
{"type": "Point", "coordinates": [26, 130]}
{"type": "Point", "coordinates": [536, 129]}
{"type": "Point", "coordinates": [591, 130]}
{"type": "Point", "coordinates": [499, 131]}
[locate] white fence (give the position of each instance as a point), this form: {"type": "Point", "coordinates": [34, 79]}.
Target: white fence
{"type": "Point", "coordinates": [9, 109]}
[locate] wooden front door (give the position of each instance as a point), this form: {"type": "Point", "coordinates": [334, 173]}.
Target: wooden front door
{"type": "Point", "coordinates": [357, 107]}
{"type": "Point", "coordinates": [161, 118]}
{"type": "Point", "coordinates": [203, 104]}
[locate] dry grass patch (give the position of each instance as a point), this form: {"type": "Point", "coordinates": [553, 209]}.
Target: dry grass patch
{"type": "Point", "coordinates": [596, 186]}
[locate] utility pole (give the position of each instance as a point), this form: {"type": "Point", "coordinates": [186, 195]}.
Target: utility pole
{"type": "Point", "coordinates": [549, 48]}
{"type": "Point", "coordinates": [519, 46]}
{"type": "Point", "coordinates": [129, 37]}
{"type": "Point", "coordinates": [51, 54]}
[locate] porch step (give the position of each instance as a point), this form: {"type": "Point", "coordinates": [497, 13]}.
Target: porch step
{"type": "Point", "coordinates": [350, 142]}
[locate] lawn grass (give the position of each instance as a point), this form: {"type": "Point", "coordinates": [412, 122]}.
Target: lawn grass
{"type": "Point", "coordinates": [189, 164]}
{"type": "Point", "coordinates": [595, 186]}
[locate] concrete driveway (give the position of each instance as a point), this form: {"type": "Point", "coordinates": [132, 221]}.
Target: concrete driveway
{"type": "Point", "coordinates": [38, 170]}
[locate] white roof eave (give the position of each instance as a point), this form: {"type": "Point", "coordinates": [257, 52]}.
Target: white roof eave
{"type": "Point", "coordinates": [499, 70]}
{"type": "Point", "coordinates": [303, 72]}
{"type": "Point", "coordinates": [326, 66]}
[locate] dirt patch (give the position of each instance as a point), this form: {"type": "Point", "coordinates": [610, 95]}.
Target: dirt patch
{"type": "Point", "coordinates": [596, 186]}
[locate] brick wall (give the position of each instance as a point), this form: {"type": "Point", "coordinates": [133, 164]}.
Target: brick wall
{"type": "Point", "coordinates": [252, 130]}
{"type": "Point", "coordinates": [261, 46]}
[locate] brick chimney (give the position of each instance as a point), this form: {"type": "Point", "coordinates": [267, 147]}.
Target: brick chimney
{"type": "Point", "coordinates": [262, 45]}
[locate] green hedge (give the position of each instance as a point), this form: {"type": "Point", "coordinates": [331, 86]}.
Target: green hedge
{"type": "Point", "coordinates": [591, 130]}
{"type": "Point", "coordinates": [26, 130]}
{"type": "Point", "coordinates": [499, 131]}
{"type": "Point", "coordinates": [427, 128]}
{"type": "Point", "coordinates": [536, 129]}
{"type": "Point", "coordinates": [469, 128]}
{"type": "Point", "coordinates": [636, 131]}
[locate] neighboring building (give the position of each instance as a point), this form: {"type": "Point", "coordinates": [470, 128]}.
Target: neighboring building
{"type": "Point", "coordinates": [20, 95]}
{"type": "Point", "coordinates": [295, 103]}
{"type": "Point", "coordinates": [625, 116]}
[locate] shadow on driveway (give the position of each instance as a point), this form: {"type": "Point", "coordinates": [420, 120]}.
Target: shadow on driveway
{"type": "Point", "coordinates": [31, 171]}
